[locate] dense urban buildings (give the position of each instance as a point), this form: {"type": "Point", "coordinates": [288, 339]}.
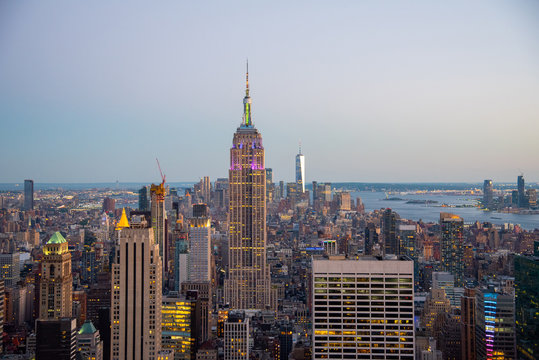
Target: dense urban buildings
{"type": "Point", "coordinates": [253, 267]}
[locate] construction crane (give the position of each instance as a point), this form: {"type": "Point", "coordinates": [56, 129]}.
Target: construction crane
{"type": "Point", "coordinates": [159, 190]}
{"type": "Point", "coordinates": [163, 176]}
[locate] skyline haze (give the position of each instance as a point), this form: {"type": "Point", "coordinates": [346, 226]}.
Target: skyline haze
{"type": "Point", "coordinates": [377, 92]}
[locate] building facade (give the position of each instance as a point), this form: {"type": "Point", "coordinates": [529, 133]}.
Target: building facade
{"type": "Point", "coordinates": [300, 171]}
{"type": "Point", "coordinates": [527, 305]}
{"type": "Point", "coordinates": [56, 285]}
{"type": "Point", "coordinates": [451, 245]}
{"type": "Point", "coordinates": [136, 295]}
{"type": "Point", "coordinates": [236, 337]}
{"type": "Point", "coordinates": [363, 308]}
{"type": "Point", "coordinates": [28, 194]}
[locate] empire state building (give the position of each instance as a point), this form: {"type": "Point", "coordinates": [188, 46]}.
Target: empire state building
{"type": "Point", "coordinates": [248, 283]}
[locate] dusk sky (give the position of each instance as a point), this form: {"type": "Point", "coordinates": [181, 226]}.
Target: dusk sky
{"type": "Point", "coordinates": [377, 91]}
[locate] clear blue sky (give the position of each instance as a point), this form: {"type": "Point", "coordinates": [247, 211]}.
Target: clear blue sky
{"type": "Point", "coordinates": [93, 91]}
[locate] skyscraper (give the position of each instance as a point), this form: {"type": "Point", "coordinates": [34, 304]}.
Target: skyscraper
{"type": "Point", "coordinates": [144, 198]}
{"type": "Point", "coordinates": [488, 195]}
{"type": "Point", "coordinates": [494, 324]}
{"type": "Point", "coordinates": [200, 244]}
{"type": "Point", "coordinates": [136, 294]}
{"type": "Point", "coordinates": [56, 285]}
{"type": "Point", "coordinates": [389, 232]}
{"type": "Point", "coordinates": [354, 317]}
{"type": "Point", "coordinates": [521, 188]}
{"type": "Point", "coordinates": [28, 194]}
{"type": "Point", "coordinates": [159, 220]}
{"type": "Point", "coordinates": [248, 283]}
{"type": "Point", "coordinates": [451, 245]}
{"type": "Point", "coordinates": [467, 325]}
{"type": "Point", "coordinates": [300, 171]}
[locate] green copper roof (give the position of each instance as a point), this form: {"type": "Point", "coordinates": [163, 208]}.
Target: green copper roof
{"type": "Point", "coordinates": [87, 328]}
{"type": "Point", "coordinates": [57, 238]}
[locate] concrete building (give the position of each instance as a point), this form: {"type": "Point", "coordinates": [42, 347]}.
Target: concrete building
{"type": "Point", "coordinates": [89, 342]}
{"type": "Point", "coordinates": [451, 245]}
{"type": "Point", "coordinates": [56, 285]}
{"type": "Point", "coordinates": [10, 268]}
{"type": "Point", "coordinates": [363, 308]}
{"type": "Point", "coordinates": [199, 245]}
{"type": "Point", "coordinates": [56, 339]}
{"type": "Point", "coordinates": [177, 321]}
{"type": "Point", "coordinates": [28, 195]}
{"type": "Point", "coordinates": [236, 336]}
{"type": "Point", "coordinates": [136, 293]}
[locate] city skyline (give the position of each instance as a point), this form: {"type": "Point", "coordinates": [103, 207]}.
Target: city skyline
{"type": "Point", "coordinates": [374, 95]}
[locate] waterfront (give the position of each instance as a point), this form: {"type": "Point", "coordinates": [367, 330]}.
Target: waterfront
{"type": "Point", "coordinates": [431, 212]}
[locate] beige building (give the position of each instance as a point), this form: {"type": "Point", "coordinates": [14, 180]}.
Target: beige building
{"type": "Point", "coordinates": [136, 293]}
{"type": "Point", "coordinates": [248, 283]}
{"type": "Point", "coordinates": [363, 308]}
{"type": "Point", "coordinates": [56, 285]}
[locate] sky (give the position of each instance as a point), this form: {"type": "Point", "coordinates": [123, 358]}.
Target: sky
{"type": "Point", "coordinates": [377, 91]}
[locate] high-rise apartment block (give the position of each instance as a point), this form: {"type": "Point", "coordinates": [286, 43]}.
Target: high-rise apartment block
{"type": "Point", "coordinates": [248, 282]}
{"type": "Point", "coordinates": [56, 285]}
{"type": "Point", "coordinates": [109, 205]}
{"type": "Point", "coordinates": [28, 194]}
{"type": "Point", "coordinates": [159, 220]}
{"type": "Point", "coordinates": [527, 305]}
{"type": "Point", "coordinates": [136, 294]}
{"type": "Point", "coordinates": [363, 309]}
{"type": "Point", "coordinates": [300, 171]}
{"type": "Point", "coordinates": [451, 245]}
{"type": "Point", "coordinates": [521, 188]}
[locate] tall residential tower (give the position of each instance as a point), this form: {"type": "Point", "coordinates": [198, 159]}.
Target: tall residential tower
{"type": "Point", "coordinates": [248, 283]}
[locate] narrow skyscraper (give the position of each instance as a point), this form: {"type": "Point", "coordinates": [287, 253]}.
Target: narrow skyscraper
{"type": "Point", "coordinates": [28, 194]}
{"type": "Point", "coordinates": [300, 171]}
{"type": "Point", "coordinates": [248, 283]}
{"type": "Point", "coordinates": [488, 196]}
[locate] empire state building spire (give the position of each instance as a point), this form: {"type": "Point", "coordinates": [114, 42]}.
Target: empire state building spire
{"type": "Point", "coordinates": [247, 120]}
